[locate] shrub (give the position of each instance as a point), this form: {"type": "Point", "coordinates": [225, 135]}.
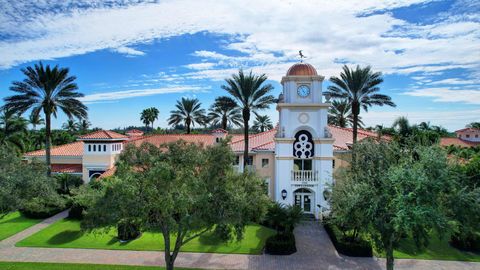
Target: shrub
{"type": "Point", "coordinates": [358, 248]}
{"type": "Point", "coordinates": [469, 243]}
{"type": "Point", "coordinates": [76, 212]}
{"type": "Point", "coordinates": [66, 182]}
{"type": "Point", "coordinates": [283, 218]}
{"type": "Point", "coordinates": [127, 230]}
{"type": "Point", "coordinates": [281, 244]}
{"type": "Point", "coordinates": [42, 207]}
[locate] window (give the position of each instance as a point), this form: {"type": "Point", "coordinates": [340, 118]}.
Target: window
{"type": "Point", "coordinates": [333, 163]}
{"type": "Point", "coordinates": [89, 148]}
{"type": "Point", "coordinates": [476, 135]}
{"type": "Point", "coordinates": [94, 148]}
{"type": "Point", "coordinates": [302, 164]}
{"type": "Point", "coordinates": [264, 162]}
{"type": "Point", "coordinates": [250, 160]}
{"type": "Point", "coordinates": [237, 160]}
{"type": "Point", "coordinates": [468, 135]}
{"type": "Point", "coordinates": [104, 148]}
{"type": "Point", "coordinates": [266, 186]}
{"type": "Point", "coordinates": [217, 140]}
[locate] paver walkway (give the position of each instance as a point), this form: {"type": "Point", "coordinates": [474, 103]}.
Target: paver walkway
{"type": "Point", "coordinates": [315, 251]}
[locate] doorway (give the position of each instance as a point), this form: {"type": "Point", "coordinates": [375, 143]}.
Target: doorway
{"type": "Point", "coordinates": [304, 198]}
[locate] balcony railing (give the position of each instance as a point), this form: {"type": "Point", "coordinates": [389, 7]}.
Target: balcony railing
{"type": "Point", "coordinates": [305, 176]}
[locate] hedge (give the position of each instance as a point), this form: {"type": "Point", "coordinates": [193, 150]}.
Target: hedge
{"type": "Point", "coordinates": [360, 248]}
{"type": "Point", "coordinates": [471, 243]}
{"type": "Point", "coordinates": [281, 244]}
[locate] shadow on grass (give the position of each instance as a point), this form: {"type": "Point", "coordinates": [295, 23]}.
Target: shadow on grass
{"type": "Point", "coordinates": [64, 237]}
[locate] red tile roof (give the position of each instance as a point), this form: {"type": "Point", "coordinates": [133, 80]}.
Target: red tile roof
{"type": "Point", "coordinates": [467, 129]}
{"type": "Point", "coordinates": [67, 168]}
{"type": "Point", "coordinates": [69, 149]}
{"type": "Point", "coordinates": [344, 136]}
{"type": "Point", "coordinates": [255, 140]}
{"type": "Point", "coordinates": [108, 172]}
{"type": "Point", "coordinates": [103, 135]}
{"type": "Point", "coordinates": [457, 142]}
{"type": "Point", "coordinates": [219, 130]}
{"type": "Point", "coordinates": [205, 139]}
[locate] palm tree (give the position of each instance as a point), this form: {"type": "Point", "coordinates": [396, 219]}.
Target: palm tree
{"type": "Point", "coordinates": [359, 87]}
{"type": "Point", "coordinates": [340, 114]}
{"type": "Point", "coordinates": [36, 120]}
{"type": "Point", "coordinates": [153, 114]}
{"type": "Point", "coordinates": [402, 126]}
{"type": "Point", "coordinates": [252, 95]}
{"type": "Point", "coordinates": [83, 125]}
{"type": "Point", "coordinates": [474, 125]}
{"type": "Point", "coordinates": [49, 90]}
{"type": "Point", "coordinates": [13, 129]}
{"type": "Point", "coordinates": [145, 117]}
{"type": "Point", "coordinates": [71, 126]}
{"type": "Point", "coordinates": [262, 123]}
{"type": "Point", "coordinates": [224, 111]}
{"type": "Point", "coordinates": [188, 111]}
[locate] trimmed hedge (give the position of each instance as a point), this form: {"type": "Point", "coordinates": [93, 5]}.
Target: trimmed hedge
{"type": "Point", "coordinates": [353, 249]}
{"type": "Point", "coordinates": [42, 208]}
{"type": "Point", "coordinates": [281, 244]}
{"type": "Point", "coordinates": [471, 243]}
{"type": "Point", "coordinates": [127, 230]}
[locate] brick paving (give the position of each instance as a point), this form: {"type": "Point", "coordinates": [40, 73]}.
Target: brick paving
{"type": "Point", "coordinates": [315, 251]}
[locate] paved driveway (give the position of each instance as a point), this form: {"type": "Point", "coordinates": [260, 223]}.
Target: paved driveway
{"type": "Point", "coordinates": [315, 251]}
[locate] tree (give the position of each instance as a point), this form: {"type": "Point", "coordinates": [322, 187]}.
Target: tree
{"type": "Point", "coordinates": [360, 88]}
{"type": "Point", "coordinates": [474, 125]}
{"type": "Point", "coordinates": [36, 120]}
{"type": "Point", "coordinates": [145, 118]}
{"type": "Point", "coordinates": [394, 192]}
{"type": "Point", "coordinates": [70, 126]}
{"type": "Point", "coordinates": [49, 90]}
{"type": "Point", "coordinates": [13, 131]}
{"type": "Point", "coordinates": [402, 126]}
{"type": "Point", "coordinates": [83, 125]}
{"type": "Point", "coordinates": [188, 111]}
{"type": "Point", "coordinates": [340, 114]}
{"type": "Point", "coordinates": [224, 111]}
{"type": "Point", "coordinates": [252, 95]}
{"type": "Point", "coordinates": [149, 115]}
{"type": "Point", "coordinates": [181, 191]}
{"type": "Point", "coordinates": [262, 123]}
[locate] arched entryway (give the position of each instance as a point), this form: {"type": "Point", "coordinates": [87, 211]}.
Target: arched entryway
{"type": "Point", "coordinates": [305, 198]}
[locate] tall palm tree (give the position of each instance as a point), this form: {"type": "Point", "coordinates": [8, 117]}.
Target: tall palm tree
{"type": "Point", "coordinates": [145, 117]}
{"type": "Point", "coordinates": [360, 88]}
{"type": "Point", "coordinates": [13, 129]}
{"type": "Point", "coordinates": [153, 114]}
{"type": "Point", "coordinates": [70, 126]}
{"type": "Point", "coordinates": [188, 111]}
{"type": "Point", "coordinates": [46, 90]}
{"type": "Point", "coordinates": [251, 92]}
{"type": "Point", "coordinates": [36, 120]}
{"type": "Point", "coordinates": [224, 111]}
{"type": "Point", "coordinates": [83, 125]}
{"type": "Point", "coordinates": [402, 126]}
{"type": "Point", "coordinates": [262, 123]}
{"type": "Point", "coordinates": [340, 114]}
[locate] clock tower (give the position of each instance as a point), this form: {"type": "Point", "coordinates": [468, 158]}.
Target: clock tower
{"type": "Point", "coordinates": [303, 143]}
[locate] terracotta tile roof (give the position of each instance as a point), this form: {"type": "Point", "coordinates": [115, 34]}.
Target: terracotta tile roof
{"type": "Point", "coordinates": [457, 142]}
{"type": "Point", "coordinates": [236, 137]}
{"type": "Point", "coordinates": [102, 135]}
{"type": "Point", "coordinates": [344, 136]}
{"type": "Point", "coordinates": [467, 129]}
{"type": "Point", "coordinates": [108, 172]}
{"type": "Point", "coordinates": [67, 168]}
{"type": "Point", "coordinates": [255, 140]}
{"type": "Point", "coordinates": [69, 149]}
{"type": "Point", "coordinates": [219, 130]}
{"type": "Point", "coordinates": [205, 139]}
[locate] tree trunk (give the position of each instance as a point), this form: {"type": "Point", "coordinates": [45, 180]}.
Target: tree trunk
{"type": "Point", "coordinates": [389, 253]}
{"type": "Point", "coordinates": [187, 123]}
{"type": "Point", "coordinates": [224, 122]}
{"type": "Point", "coordinates": [246, 118]}
{"type": "Point", "coordinates": [48, 142]}
{"type": "Point", "coordinates": [355, 111]}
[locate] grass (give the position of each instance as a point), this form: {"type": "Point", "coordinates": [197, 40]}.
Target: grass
{"type": "Point", "coordinates": [67, 234]}
{"type": "Point", "coordinates": [74, 266]}
{"type": "Point", "coordinates": [14, 223]}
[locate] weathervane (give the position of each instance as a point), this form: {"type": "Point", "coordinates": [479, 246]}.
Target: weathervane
{"type": "Point", "coordinates": [301, 56]}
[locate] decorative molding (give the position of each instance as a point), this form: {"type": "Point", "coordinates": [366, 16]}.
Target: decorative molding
{"type": "Point", "coordinates": [303, 118]}
{"type": "Point", "coordinates": [284, 140]}
{"type": "Point", "coordinates": [324, 140]}
{"type": "Point", "coordinates": [302, 78]}
{"type": "Point", "coordinates": [304, 105]}
{"type": "Point", "coordinates": [323, 158]}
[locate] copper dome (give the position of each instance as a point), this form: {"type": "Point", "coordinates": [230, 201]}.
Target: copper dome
{"type": "Point", "coordinates": [302, 69]}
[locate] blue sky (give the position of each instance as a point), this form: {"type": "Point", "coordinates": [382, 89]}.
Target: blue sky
{"type": "Point", "coordinates": [132, 54]}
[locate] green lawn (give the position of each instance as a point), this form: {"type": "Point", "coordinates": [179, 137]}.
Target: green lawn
{"type": "Point", "coordinates": [14, 223]}
{"type": "Point", "coordinates": [438, 249]}
{"type": "Point", "coordinates": [74, 266]}
{"type": "Point", "coordinates": [66, 234]}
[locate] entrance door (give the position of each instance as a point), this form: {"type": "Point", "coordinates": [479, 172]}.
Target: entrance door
{"type": "Point", "coordinates": [303, 198]}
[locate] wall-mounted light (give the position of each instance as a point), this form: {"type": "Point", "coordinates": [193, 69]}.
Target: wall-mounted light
{"type": "Point", "coordinates": [284, 194]}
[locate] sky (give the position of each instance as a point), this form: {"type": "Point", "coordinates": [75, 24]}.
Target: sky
{"type": "Point", "coordinates": [130, 55]}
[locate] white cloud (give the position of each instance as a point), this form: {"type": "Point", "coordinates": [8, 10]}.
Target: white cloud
{"type": "Point", "coordinates": [128, 51]}
{"type": "Point", "coordinates": [448, 95]}
{"type": "Point", "coordinates": [117, 95]}
{"type": "Point", "coordinates": [200, 66]}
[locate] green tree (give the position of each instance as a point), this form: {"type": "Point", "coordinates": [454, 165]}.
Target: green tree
{"type": "Point", "coordinates": [181, 191]}
{"type": "Point", "coordinates": [49, 90]}
{"type": "Point", "coordinates": [360, 88]}
{"type": "Point", "coordinates": [70, 126]}
{"type": "Point", "coordinates": [340, 114]}
{"type": "Point", "coordinates": [149, 116]}
{"type": "Point", "coordinates": [262, 123]}
{"type": "Point", "coordinates": [154, 113]}
{"type": "Point", "coordinates": [145, 118]}
{"type": "Point", "coordinates": [224, 111]}
{"type": "Point", "coordinates": [13, 131]}
{"type": "Point", "coordinates": [83, 125]}
{"type": "Point", "coordinates": [188, 112]}
{"type": "Point", "coordinates": [474, 125]}
{"type": "Point", "coordinates": [394, 192]}
{"type": "Point", "coordinates": [252, 94]}
{"type": "Point", "coordinates": [36, 120]}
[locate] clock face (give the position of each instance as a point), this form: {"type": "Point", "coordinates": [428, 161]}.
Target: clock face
{"type": "Point", "coordinates": [303, 91]}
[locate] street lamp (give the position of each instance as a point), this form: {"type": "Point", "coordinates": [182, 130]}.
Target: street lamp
{"type": "Point", "coordinates": [284, 194]}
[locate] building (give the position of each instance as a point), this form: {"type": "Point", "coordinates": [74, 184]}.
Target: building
{"type": "Point", "coordinates": [297, 158]}
{"type": "Point", "coordinates": [467, 137]}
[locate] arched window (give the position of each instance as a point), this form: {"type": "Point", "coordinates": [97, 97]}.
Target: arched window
{"type": "Point", "coordinates": [303, 147]}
